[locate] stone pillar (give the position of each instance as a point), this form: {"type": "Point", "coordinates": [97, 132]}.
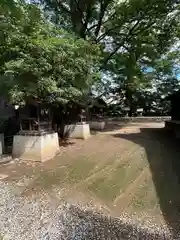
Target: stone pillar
{"type": "Point", "coordinates": [80, 130]}
{"type": "Point", "coordinates": [97, 125]}
{"type": "Point", "coordinates": [35, 146]}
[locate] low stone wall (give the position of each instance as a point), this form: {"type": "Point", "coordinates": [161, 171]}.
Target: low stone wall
{"type": "Point", "coordinates": [35, 148]}
{"type": "Point", "coordinates": [141, 119]}
{"type": "Point", "coordinates": [81, 131]}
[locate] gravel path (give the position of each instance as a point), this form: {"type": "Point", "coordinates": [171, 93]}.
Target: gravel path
{"type": "Point", "coordinates": [43, 218]}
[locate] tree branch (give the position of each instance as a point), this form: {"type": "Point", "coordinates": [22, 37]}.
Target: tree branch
{"type": "Point", "coordinates": [79, 9]}
{"type": "Point", "coordinates": [103, 8]}
{"type": "Point", "coordinates": [108, 31]}
{"type": "Point", "coordinates": [122, 43]}
{"type": "Point", "coordinates": [63, 6]}
{"type": "Point", "coordinates": [88, 14]}
{"type": "Point", "coordinates": [116, 27]}
{"type": "Point", "coordinates": [111, 55]}
{"type": "Point", "coordinates": [77, 18]}
{"type": "Point", "coordinates": [146, 27]}
{"type": "Point", "coordinates": [95, 25]}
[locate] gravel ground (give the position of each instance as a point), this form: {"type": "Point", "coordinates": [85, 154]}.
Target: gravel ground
{"type": "Point", "coordinates": [41, 218]}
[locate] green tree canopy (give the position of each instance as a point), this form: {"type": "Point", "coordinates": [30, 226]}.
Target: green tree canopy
{"type": "Point", "coordinates": [133, 35]}
{"type": "Point", "coordinates": [37, 59]}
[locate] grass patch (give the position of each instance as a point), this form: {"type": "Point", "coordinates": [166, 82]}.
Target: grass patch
{"type": "Point", "coordinates": [79, 170]}
{"type": "Point", "coordinates": [144, 197]}
{"type": "Point", "coordinates": [108, 188]}
{"type": "Point", "coordinates": [47, 179]}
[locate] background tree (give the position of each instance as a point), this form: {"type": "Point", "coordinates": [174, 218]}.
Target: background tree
{"type": "Point", "coordinates": [111, 22]}
{"type": "Point", "coordinates": [148, 39]}
{"type": "Point", "coordinates": [133, 34]}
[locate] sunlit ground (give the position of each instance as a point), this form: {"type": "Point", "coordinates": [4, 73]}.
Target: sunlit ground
{"type": "Point", "coordinates": [132, 169]}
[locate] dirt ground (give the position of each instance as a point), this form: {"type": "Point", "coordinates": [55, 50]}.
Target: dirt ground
{"type": "Point", "coordinates": [128, 169]}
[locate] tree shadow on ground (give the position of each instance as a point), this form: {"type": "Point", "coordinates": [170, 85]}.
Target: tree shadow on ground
{"type": "Point", "coordinates": [65, 142]}
{"type": "Point", "coordinates": [163, 154]}
{"type": "Point", "coordinates": [110, 126]}
{"type": "Point", "coordinates": [86, 224]}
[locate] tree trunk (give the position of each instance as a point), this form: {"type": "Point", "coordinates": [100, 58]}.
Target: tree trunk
{"type": "Point", "coordinates": [130, 114]}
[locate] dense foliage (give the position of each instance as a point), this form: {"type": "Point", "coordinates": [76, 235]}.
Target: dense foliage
{"type": "Point", "coordinates": [37, 59]}
{"type": "Point", "coordinates": [134, 36]}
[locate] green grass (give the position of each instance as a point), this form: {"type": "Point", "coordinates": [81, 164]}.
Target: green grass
{"type": "Point", "coordinates": [109, 187]}
{"type": "Point", "coordinates": [79, 170]}
{"type": "Point", "coordinates": [144, 197]}
{"type": "Point", "coordinates": [47, 179]}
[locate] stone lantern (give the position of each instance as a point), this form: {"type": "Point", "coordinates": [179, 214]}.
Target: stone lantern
{"type": "Point", "coordinates": [79, 130]}
{"type": "Point", "coordinates": [36, 140]}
